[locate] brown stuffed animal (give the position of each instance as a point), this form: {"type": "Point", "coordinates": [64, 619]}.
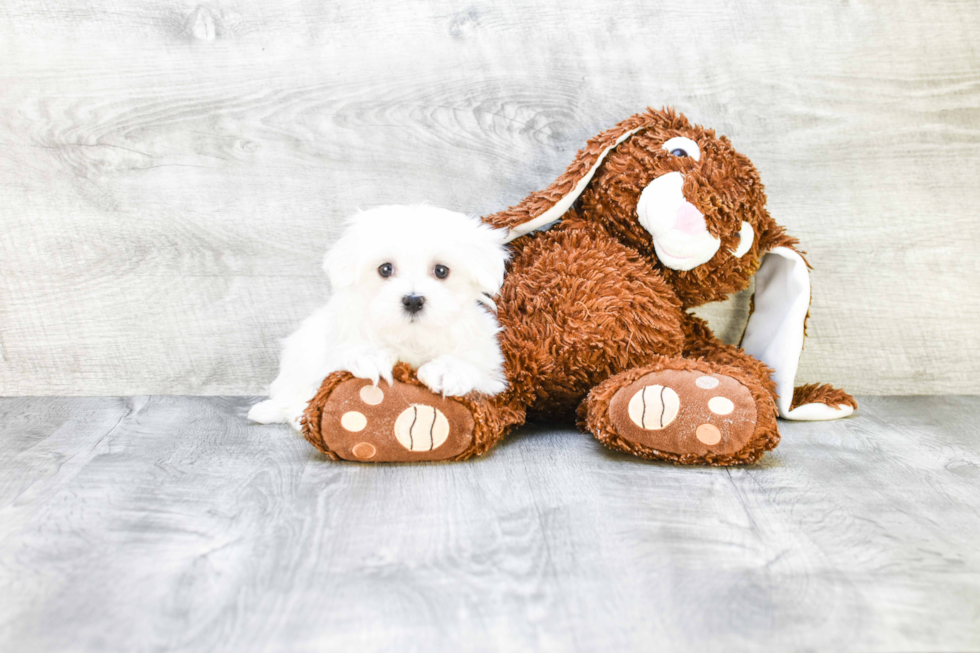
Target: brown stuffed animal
{"type": "Point", "coordinates": [654, 216]}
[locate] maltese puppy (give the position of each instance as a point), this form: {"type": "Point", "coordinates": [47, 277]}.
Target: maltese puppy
{"type": "Point", "coordinates": [410, 284]}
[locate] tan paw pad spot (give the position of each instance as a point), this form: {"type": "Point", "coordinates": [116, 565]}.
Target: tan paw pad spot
{"type": "Point", "coordinates": [706, 382]}
{"type": "Point", "coordinates": [364, 450]}
{"type": "Point", "coordinates": [372, 395]}
{"type": "Point", "coordinates": [708, 434]}
{"type": "Point", "coordinates": [353, 421]}
{"type": "Point", "coordinates": [654, 407]}
{"type": "Point", "coordinates": [421, 428]}
{"type": "Point", "coordinates": [720, 405]}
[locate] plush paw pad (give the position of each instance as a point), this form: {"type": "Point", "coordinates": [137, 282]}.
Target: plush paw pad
{"type": "Point", "coordinates": [685, 412]}
{"type": "Point", "coordinates": [654, 407]}
{"type": "Point", "coordinates": [421, 428]}
{"type": "Point", "coordinates": [394, 423]}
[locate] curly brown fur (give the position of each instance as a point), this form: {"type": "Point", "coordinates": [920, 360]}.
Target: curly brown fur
{"type": "Point", "coordinates": [577, 307]}
{"type": "Point", "coordinates": [823, 393]}
{"type": "Point", "coordinates": [595, 415]}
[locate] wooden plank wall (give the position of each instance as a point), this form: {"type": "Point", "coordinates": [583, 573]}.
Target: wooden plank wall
{"type": "Point", "coordinates": [171, 172]}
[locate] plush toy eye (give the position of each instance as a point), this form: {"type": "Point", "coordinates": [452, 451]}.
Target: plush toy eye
{"type": "Point", "coordinates": [386, 269]}
{"type": "Point", "coordinates": [441, 271]}
{"type": "Point", "coordinates": [684, 147]}
{"type": "Point", "coordinates": [745, 237]}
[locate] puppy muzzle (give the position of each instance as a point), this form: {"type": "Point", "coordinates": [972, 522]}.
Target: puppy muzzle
{"type": "Point", "coordinates": [413, 304]}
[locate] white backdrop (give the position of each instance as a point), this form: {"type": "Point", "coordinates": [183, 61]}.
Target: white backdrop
{"type": "Point", "coordinates": [171, 172]}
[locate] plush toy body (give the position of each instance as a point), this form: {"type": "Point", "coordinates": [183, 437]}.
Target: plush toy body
{"type": "Point", "coordinates": [654, 217]}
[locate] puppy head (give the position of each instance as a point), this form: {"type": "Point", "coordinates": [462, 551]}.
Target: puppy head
{"type": "Point", "coordinates": [417, 266]}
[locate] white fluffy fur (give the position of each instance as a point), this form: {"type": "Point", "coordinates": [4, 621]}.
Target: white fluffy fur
{"type": "Point", "coordinates": [364, 328]}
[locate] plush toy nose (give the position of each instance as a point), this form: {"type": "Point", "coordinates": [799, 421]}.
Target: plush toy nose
{"type": "Point", "coordinates": [413, 303]}
{"type": "Point", "coordinates": [689, 220]}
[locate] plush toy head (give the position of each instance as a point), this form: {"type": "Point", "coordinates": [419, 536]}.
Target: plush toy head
{"type": "Point", "coordinates": [683, 197]}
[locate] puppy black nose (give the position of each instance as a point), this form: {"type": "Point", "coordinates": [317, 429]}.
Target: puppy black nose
{"type": "Point", "coordinates": [413, 303]}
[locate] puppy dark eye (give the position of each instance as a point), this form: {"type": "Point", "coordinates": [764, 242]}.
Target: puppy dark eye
{"type": "Point", "coordinates": [678, 152]}
{"type": "Point", "coordinates": [386, 269]}
{"type": "Point", "coordinates": [441, 271]}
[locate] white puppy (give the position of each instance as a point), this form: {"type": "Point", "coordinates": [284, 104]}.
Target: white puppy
{"type": "Point", "coordinates": [411, 284]}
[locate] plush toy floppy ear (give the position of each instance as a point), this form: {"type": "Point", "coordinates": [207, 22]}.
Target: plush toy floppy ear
{"type": "Point", "coordinates": [775, 331]}
{"type": "Point", "coordinates": [547, 206]}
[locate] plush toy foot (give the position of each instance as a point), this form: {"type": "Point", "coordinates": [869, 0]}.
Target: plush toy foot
{"type": "Point", "coordinates": [352, 419]}
{"type": "Point", "coordinates": [698, 413]}
{"type": "Point", "coordinates": [814, 402]}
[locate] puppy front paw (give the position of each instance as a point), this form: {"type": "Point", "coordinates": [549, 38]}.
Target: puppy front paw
{"type": "Point", "coordinates": [491, 386]}
{"type": "Point", "coordinates": [294, 417]}
{"type": "Point", "coordinates": [274, 411]}
{"type": "Point", "coordinates": [449, 376]}
{"type": "Point", "coordinates": [371, 364]}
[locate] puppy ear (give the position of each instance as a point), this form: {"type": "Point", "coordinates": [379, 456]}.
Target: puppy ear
{"type": "Point", "coordinates": [340, 264]}
{"type": "Point", "coordinates": [487, 259]}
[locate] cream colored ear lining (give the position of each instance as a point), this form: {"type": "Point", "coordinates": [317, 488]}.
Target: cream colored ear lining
{"type": "Point", "coordinates": [774, 334]}
{"type": "Point", "coordinates": [555, 212]}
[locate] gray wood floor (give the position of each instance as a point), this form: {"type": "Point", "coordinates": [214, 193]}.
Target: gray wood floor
{"type": "Point", "coordinates": [169, 523]}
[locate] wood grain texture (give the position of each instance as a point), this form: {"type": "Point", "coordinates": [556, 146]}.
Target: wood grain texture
{"type": "Point", "coordinates": [171, 172]}
{"type": "Point", "coordinates": [170, 523]}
